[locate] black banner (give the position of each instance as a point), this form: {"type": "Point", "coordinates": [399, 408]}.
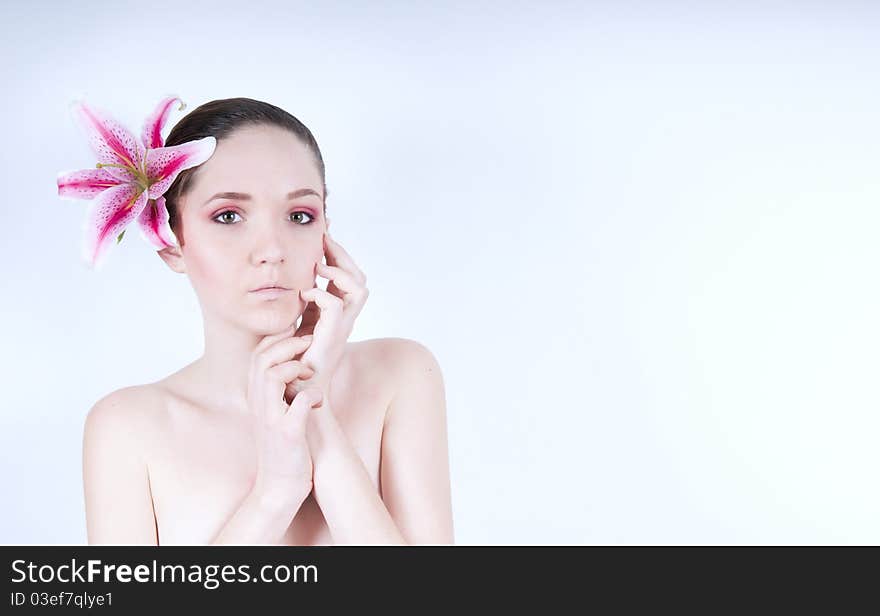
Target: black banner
{"type": "Point", "coordinates": [136, 579]}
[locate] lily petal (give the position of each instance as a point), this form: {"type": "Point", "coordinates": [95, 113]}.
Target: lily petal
{"type": "Point", "coordinates": [86, 183]}
{"type": "Point", "coordinates": [151, 135]}
{"type": "Point", "coordinates": [154, 226]}
{"type": "Point", "coordinates": [109, 214]}
{"type": "Point", "coordinates": [110, 140]}
{"type": "Point", "coordinates": [164, 164]}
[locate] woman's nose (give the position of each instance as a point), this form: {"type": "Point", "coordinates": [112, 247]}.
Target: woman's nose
{"type": "Point", "coordinates": [269, 246]}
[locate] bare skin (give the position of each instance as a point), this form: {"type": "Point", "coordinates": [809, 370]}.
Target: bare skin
{"type": "Point", "coordinates": [176, 461]}
{"type": "Point", "coordinates": [202, 460]}
{"type": "Point", "coordinates": [162, 467]}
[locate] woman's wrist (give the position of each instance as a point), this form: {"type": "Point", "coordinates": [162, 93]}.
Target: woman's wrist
{"type": "Point", "coordinates": [275, 500]}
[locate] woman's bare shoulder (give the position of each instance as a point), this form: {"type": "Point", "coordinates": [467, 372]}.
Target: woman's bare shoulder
{"type": "Point", "coordinates": [395, 358]}
{"type": "Point", "coordinates": [133, 411]}
{"type": "Point", "coordinates": [394, 349]}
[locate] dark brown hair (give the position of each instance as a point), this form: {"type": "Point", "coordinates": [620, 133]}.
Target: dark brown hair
{"type": "Point", "coordinates": [219, 119]}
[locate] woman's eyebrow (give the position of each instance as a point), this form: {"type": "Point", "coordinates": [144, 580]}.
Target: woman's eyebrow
{"type": "Point", "coordinates": [302, 192]}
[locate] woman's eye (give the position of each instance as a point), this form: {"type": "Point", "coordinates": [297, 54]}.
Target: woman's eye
{"type": "Point", "coordinates": [226, 221]}
{"type": "Point", "coordinates": [305, 214]}
{"type": "Point", "coordinates": [221, 214]}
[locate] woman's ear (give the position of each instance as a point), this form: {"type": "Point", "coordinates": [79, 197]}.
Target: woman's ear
{"type": "Point", "coordinates": [173, 258]}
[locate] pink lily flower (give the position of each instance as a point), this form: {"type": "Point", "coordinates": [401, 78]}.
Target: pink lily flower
{"type": "Point", "coordinates": [130, 180]}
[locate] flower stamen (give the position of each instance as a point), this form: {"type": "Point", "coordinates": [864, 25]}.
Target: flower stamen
{"type": "Point", "coordinates": [101, 165]}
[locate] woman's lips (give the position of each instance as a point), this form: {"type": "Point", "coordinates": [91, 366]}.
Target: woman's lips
{"type": "Point", "coordinates": [270, 292]}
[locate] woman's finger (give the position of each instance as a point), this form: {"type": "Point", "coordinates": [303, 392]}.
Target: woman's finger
{"type": "Point", "coordinates": [352, 290]}
{"type": "Point", "coordinates": [271, 338]}
{"type": "Point", "coordinates": [289, 371]}
{"type": "Point", "coordinates": [297, 415]}
{"type": "Point", "coordinates": [277, 377]}
{"type": "Point", "coordinates": [330, 305]}
{"type": "Point", "coordinates": [283, 350]}
{"type": "Point", "coordinates": [337, 255]}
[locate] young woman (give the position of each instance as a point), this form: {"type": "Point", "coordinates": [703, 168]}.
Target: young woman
{"type": "Point", "coordinates": [282, 432]}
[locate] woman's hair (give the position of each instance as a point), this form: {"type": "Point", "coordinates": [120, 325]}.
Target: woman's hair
{"type": "Point", "coordinates": [219, 119]}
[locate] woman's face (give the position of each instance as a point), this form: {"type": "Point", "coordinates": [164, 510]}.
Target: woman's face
{"type": "Point", "coordinates": [271, 233]}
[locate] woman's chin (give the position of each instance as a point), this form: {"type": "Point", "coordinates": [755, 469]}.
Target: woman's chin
{"type": "Point", "coordinates": [273, 322]}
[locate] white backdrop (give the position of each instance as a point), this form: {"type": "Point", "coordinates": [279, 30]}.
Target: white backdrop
{"type": "Point", "coordinates": [640, 238]}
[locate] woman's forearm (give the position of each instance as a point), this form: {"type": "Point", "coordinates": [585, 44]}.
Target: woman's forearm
{"type": "Point", "coordinates": [352, 507]}
{"type": "Point", "coordinates": [259, 519]}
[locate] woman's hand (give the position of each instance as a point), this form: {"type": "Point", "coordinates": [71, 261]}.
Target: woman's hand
{"type": "Point", "coordinates": [329, 317]}
{"type": "Point", "coordinates": [284, 463]}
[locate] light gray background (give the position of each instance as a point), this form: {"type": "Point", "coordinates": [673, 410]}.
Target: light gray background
{"type": "Point", "coordinates": [640, 238]}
